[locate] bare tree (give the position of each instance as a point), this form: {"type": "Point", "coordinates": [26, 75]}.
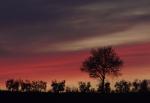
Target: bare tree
{"type": "Point", "coordinates": [103, 61]}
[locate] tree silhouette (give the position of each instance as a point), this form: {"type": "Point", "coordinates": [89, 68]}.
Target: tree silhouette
{"type": "Point", "coordinates": [122, 86]}
{"type": "Point", "coordinates": [84, 87]}
{"type": "Point", "coordinates": [39, 86]}
{"type": "Point", "coordinates": [144, 86]}
{"type": "Point", "coordinates": [26, 86]}
{"type": "Point", "coordinates": [58, 87]}
{"type": "Point", "coordinates": [12, 85]}
{"type": "Point", "coordinates": [136, 85]}
{"type": "Point", "coordinates": [107, 87]}
{"type": "Point", "coordinates": [103, 61]}
{"type": "Point", "coordinates": [35, 86]}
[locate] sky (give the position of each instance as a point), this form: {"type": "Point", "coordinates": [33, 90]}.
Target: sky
{"type": "Point", "coordinates": [49, 39]}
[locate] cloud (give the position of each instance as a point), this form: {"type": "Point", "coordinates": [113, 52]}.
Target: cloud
{"type": "Point", "coordinates": [138, 34]}
{"type": "Point", "coordinates": [31, 25]}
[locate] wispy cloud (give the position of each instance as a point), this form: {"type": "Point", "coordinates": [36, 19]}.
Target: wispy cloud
{"type": "Point", "coordinates": [26, 26]}
{"type": "Point", "coordinates": [138, 34]}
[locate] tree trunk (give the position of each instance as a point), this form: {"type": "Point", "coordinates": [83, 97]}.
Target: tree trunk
{"type": "Point", "coordinates": [103, 85]}
{"type": "Point", "coordinates": [101, 88]}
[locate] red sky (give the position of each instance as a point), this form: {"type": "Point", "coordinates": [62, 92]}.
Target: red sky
{"type": "Point", "coordinates": [67, 65]}
{"type": "Point", "coordinates": [49, 39]}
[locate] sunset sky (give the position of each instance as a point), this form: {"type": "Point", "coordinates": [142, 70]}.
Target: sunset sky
{"type": "Point", "coordinates": [49, 39]}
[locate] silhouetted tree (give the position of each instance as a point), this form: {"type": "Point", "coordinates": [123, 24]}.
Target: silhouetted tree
{"type": "Point", "coordinates": [12, 85]}
{"type": "Point", "coordinates": [36, 86]}
{"type": "Point", "coordinates": [103, 61]}
{"type": "Point", "coordinates": [26, 86]}
{"type": "Point", "coordinates": [136, 85]}
{"type": "Point", "coordinates": [58, 87]}
{"type": "Point", "coordinates": [144, 86]}
{"type": "Point", "coordinates": [107, 87]}
{"type": "Point", "coordinates": [122, 86]}
{"type": "Point", "coordinates": [9, 84]}
{"type": "Point", "coordinates": [84, 87]}
{"type": "Point", "coordinates": [39, 86]}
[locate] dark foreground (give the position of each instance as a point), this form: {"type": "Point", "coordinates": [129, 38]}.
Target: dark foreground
{"type": "Point", "coordinates": [73, 98]}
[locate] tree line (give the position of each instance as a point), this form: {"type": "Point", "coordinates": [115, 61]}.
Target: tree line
{"type": "Point", "coordinates": [26, 86]}
{"type": "Point", "coordinates": [101, 63]}
{"type": "Point", "coordinates": [122, 86]}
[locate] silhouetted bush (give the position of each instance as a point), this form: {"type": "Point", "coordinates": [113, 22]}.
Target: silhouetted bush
{"type": "Point", "coordinates": [123, 86]}
{"type": "Point", "coordinates": [12, 85]}
{"type": "Point", "coordinates": [84, 87]}
{"type": "Point", "coordinates": [107, 88]}
{"type": "Point", "coordinates": [26, 86]}
{"type": "Point", "coordinates": [58, 87]}
{"type": "Point", "coordinates": [72, 90]}
{"type": "Point", "coordinates": [39, 86]}
{"type": "Point", "coordinates": [136, 86]}
{"type": "Point", "coordinates": [144, 86]}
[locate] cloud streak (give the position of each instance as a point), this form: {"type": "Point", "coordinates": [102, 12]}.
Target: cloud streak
{"type": "Point", "coordinates": [138, 34]}
{"type": "Point", "coordinates": [29, 25]}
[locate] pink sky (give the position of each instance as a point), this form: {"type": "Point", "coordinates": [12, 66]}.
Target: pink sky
{"type": "Point", "coordinates": [67, 66]}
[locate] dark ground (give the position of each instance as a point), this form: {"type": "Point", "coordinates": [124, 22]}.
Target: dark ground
{"type": "Point", "coordinates": [9, 97]}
